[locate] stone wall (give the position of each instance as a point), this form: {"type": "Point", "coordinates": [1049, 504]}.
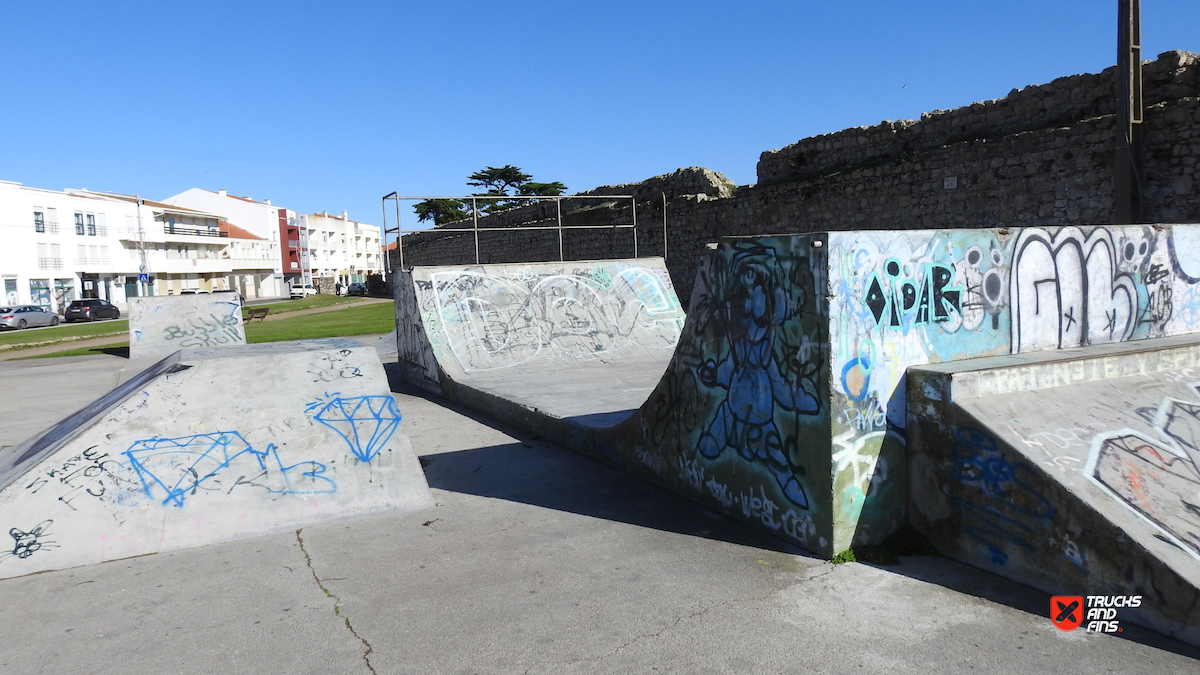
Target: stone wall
{"type": "Point", "coordinates": [1041, 156]}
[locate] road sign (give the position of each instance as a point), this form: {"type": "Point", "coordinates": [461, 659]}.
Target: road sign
{"type": "Point", "coordinates": [144, 278]}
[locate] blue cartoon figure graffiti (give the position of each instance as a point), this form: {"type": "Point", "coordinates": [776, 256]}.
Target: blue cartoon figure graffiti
{"type": "Point", "coordinates": [754, 305]}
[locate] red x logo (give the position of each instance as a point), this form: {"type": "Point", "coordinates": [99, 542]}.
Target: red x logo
{"type": "Point", "coordinates": [1066, 611]}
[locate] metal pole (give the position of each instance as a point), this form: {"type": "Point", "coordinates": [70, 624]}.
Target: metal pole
{"type": "Point", "coordinates": [387, 256]}
{"type": "Point", "coordinates": [1127, 197]}
{"type": "Point", "coordinates": [558, 209]}
{"type": "Point", "coordinates": [664, 201]}
{"type": "Point", "coordinates": [399, 235]}
{"type": "Point", "coordinates": [634, 200]}
{"type": "Point", "coordinates": [475, 219]}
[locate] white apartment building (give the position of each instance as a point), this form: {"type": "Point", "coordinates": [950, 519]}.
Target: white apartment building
{"type": "Point", "coordinates": [262, 219]}
{"type": "Point", "coordinates": [188, 249]}
{"type": "Point", "coordinates": [342, 249]}
{"type": "Point", "coordinates": [58, 246]}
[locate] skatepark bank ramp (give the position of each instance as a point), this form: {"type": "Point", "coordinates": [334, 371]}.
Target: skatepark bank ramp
{"type": "Point", "coordinates": [783, 403]}
{"type": "Point", "coordinates": [1076, 472]}
{"type": "Point", "coordinates": [209, 445]}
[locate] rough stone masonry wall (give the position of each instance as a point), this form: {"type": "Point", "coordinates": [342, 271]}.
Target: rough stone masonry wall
{"type": "Point", "coordinates": [1041, 156]}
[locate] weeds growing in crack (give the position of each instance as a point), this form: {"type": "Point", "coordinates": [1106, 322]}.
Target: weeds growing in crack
{"type": "Point", "coordinates": [337, 610]}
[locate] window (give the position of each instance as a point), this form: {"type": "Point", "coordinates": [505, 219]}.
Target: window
{"type": "Point", "coordinates": [91, 225]}
{"type": "Point", "coordinates": [78, 223]}
{"type": "Point", "coordinates": [39, 292]}
{"type": "Point", "coordinates": [39, 221]}
{"type": "Point", "coordinates": [101, 225]}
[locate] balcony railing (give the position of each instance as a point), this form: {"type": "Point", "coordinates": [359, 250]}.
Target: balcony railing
{"type": "Point", "coordinates": [47, 226]}
{"type": "Point", "coordinates": [50, 263]}
{"type": "Point", "coordinates": [92, 262]}
{"type": "Point", "coordinates": [192, 231]}
{"type": "Point", "coordinates": [293, 243]}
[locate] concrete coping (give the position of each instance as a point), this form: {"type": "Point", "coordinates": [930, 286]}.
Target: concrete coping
{"type": "Point", "coordinates": [1060, 368]}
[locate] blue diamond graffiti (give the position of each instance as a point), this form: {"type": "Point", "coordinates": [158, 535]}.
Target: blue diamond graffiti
{"type": "Point", "coordinates": [365, 422]}
{"type": "Point", "coordinates": [174, 469]}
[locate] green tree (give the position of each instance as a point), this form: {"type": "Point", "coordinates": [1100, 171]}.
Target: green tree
{"type": "Point", "coordinates": [442, 211]}
{"type": "Point", "coordinates": [504, 181]}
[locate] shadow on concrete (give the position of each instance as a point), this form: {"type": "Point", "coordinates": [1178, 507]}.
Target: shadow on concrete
{"type": "Point", "coordinates": [968, 580]}
{"type": "Point", "coordinates": [538, 473]}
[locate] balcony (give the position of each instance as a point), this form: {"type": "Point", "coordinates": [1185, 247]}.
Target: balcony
{"type": "Point", "coordinates": [293, 243]}
{"type": "Point", "coordinates": [92, 263]}
{"type": "Point", "coordinates": [50, 263]}
{"type": "Point", "coordinates": [45, 226]}
{"type": "Point", "coordinates": [192, 231]}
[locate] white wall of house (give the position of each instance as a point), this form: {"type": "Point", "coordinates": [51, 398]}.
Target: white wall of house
{"type": "Point", "coordinates": [258, 218]}
{"type": "Point", "coordinates": [342, 248]}
{"type": "Point", "coordinates": [60, 246]}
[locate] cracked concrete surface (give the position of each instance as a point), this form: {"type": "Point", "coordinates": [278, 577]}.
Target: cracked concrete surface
{"type": "Point", "coordinates": [535, 560]}
{"type": "Point", "coordinates": [337, 610]}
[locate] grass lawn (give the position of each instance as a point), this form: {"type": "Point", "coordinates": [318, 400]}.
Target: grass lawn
{"type": "Point", "coordinates": [364, 320]}
{"type": "Point", "coordinates": [64, 332]}
{"type": "Point", "coordinates": [312, 301]}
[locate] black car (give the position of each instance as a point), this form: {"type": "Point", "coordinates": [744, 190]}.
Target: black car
{"type": "Point", "coordinates": [357, 289]}
{"type": "Point", "coordinates": [91, 310]}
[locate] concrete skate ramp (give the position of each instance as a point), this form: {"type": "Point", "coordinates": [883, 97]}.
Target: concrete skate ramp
{"type": "Point", "coordinates": [161, 325]}
{"type": "Point", "coordinates": [1077, 472]}
{"type": "Point", "coordinates": [580, 341]}
{"type": "Point", "coordinates": [208, 445]}
{"type": "Point", "coordinates": [784, 402]}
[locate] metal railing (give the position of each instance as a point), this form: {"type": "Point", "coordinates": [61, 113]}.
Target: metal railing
{"type": "Point", "coordinates": [474, 200]}
{"type": "Point", "coordinates": [50, 263]}
{"type": "Point", "coordinates": [45, 226]}
{"type": "Point", "coordinates": [192, 231]}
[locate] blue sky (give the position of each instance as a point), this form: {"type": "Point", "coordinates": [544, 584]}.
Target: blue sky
{"type": "Point", "coordinates": [329, 106]}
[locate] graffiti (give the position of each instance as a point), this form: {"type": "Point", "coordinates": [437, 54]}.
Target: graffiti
{"type": "Point", "coordinates": [1000, 506]}
{"type": "Point", "coordinates": [1067, 292]}
{"type": "Point", "coordinates": [1158, 478]}
{"type": "Point", "coordinates": [985, 291]}
{"type": "Point", "coordinates": [26, 543]}
{"type": "Point", "coordinates": [366, 423]}
{"type": "Point", "coordinates": [503, 320]}
{"type": "Point", "coordinates": [332, 366]}
{"type": "Point", "coordinates": [173, 469]}
{"type": "Point", "coordinates": [753, 304]}
{"type": "Point", "coordinates": [200, 331]}
{"type": "Point", "coordinates": [91, 473]}
{"type": "Point", "coordinates": [909, 302]}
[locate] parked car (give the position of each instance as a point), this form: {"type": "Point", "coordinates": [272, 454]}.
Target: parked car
{"type": "Point", "coordinates": [357, 289]}
{"type": "Point", "coordinates": [303, 291]}
{"type": "Point", "coordinates": [91, 310]}
{"type": "Point", "coordinates": [193, 291]}
{"type": "Point", "coordinates": [26, 316]}
{"type": "Point", "coordinates": [240, 298]}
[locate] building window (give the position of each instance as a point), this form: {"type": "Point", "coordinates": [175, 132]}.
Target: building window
{"type": "Point", "coordinates": [39, 221]}
{"type": "Point", "coordinates": [39, 292]}
{"type": "Point", "coordinates": [91, 225]}
{"type": "Point", "coordinates": [78, 223]}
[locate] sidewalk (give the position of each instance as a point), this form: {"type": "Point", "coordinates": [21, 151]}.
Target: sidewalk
{"type": "Point", "coordinates": [533, 560]}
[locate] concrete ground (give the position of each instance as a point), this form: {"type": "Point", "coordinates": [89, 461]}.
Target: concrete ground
{"type": "Point", "coordinates": [534, 560]}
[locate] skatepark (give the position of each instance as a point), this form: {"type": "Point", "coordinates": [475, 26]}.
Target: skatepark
{"type": "Point", "coordinates": [507, 366]}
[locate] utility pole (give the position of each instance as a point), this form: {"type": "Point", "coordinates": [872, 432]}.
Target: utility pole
{"type": "Point", "coordinates": [1127, 193]}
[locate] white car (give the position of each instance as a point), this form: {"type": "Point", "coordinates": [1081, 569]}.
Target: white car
{"type": "Point", "coordinates": [303, 291]}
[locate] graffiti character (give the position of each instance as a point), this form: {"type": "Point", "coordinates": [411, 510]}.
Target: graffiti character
{"type": "Point", "coordinates": [755, 304]}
